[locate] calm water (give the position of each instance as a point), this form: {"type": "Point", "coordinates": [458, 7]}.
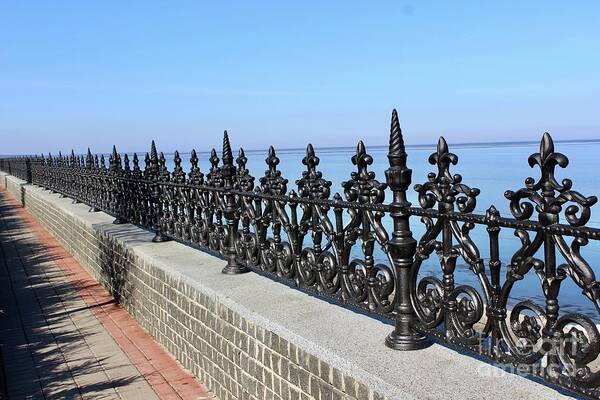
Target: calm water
{"type": "Point", "coordinates": [493, 169]}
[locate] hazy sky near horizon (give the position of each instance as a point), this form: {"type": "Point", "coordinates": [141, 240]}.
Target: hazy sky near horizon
{"type": "Point", "coordinates": [75, 74]}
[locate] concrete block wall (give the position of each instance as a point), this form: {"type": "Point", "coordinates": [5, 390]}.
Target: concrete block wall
{"type": "Point", "coordinates": [247, 337]}
{"type": "Point", "coordinates": [14, 186]}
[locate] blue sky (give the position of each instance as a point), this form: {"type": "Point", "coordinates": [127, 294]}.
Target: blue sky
{"type": "Point", "coordinates": [79, 73]}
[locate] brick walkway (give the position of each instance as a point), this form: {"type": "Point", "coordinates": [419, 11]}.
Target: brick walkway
{"type": "Point", "coordinates": [63, 336]}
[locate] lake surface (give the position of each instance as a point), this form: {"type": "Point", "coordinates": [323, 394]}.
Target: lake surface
{"type": "Point", "coordinates": [491, 168]}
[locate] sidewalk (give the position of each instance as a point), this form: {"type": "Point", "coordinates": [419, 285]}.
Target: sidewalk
{"type": "Point", "coordinates": [63, 336]}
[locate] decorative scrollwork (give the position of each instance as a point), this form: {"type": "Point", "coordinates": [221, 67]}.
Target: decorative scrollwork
{"type": "Point", "coordinates": [547, 194]}
{"type": "Point", "coordinates": [435, 301]}
{"type": "Point", "coordinates": [444, 188]}
{"type": "Point", "coordinates": [312, 238]}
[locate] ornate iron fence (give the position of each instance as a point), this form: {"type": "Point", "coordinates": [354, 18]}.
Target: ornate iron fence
{"type": "Point", "coordinates": [305, 237]}
{"type": "Point", "coordinates": [18, 166]}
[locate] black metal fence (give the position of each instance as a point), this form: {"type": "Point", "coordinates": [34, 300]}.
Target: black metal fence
{"type": "Point", "coordinates": [308, 239]}
{"type": "Point", "coordinates": [17, 166]}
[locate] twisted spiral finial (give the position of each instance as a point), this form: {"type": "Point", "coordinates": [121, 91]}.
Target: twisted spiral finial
{"type": "Point", "coordinates": [227, 153]}
{"type": "Point", "coordinates": [397, 151]}
{"type": "Point", "coordinates": [153, 154]}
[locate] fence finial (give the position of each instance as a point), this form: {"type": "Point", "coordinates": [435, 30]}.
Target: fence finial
{"type": "Point", "coordinates": [89, 160]}
{"type": "Point", "coordinates": [397, 151]}
{"type": "Point", "coordinates": [546, 146]}
{"type": "Point", "coordinates": [153, 153]}
{"type": "Point", "coordinates": [227, 153]}
{"type": "Point", "coordinates": [241, 159]}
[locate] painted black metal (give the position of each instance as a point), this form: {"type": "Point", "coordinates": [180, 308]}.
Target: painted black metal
{"type": "Point", "coordinates": [300, 237]}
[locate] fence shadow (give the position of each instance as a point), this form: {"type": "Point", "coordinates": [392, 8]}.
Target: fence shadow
{"type": "Point", "coordinates": [34, 322]}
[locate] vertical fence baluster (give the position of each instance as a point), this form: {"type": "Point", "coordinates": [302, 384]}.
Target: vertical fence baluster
{"type": "Point", "coordinates": [116, 184]}
{"type": "Point", "coordinates": [402, 245]}
{"type": "Point", "coordinates": [231, 212]}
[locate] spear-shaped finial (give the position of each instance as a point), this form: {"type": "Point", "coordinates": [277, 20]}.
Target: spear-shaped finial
{"type": "Point", "coordinates": [227, 153]}
{"type": "Point", "coordinates": [396, 139]}
{"type": "Point", "coordinates": [397, 151]}
{"type": "Point", "coordinates": [153, 153]}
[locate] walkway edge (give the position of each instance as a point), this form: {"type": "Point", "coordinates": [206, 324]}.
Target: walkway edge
{"type": "Point", "coordinates": [249, 337]}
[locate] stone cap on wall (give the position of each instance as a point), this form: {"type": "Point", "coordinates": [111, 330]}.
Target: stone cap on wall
{"type": "Point", "coordinates": [348, 341]}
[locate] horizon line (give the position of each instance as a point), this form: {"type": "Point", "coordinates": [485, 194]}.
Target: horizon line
{"type": "Point", "coordinates": [377, 146]}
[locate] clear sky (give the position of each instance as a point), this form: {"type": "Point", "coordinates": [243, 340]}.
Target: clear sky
{"type": "Point", "coordinates": [79, 73]}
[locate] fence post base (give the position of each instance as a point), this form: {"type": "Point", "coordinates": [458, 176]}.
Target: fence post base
{"type": "Point", "coordinates": [235, 269]}
{"type": "Point", "coordinates": [405, 339]}
{"type": "Point", "coordinates": [159, 238]}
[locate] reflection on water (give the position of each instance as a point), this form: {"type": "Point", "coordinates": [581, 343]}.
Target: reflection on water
{"type": "Point", "coordinates": [492, 168]}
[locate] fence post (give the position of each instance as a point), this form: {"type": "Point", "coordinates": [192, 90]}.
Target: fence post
{"type": "Point", "coordinates": [155, 197]}
{"type": "Point", "coordinates": [230, 212]}
{"type": "Point", "coordinates": [116, 186]}
{"type": "Point", "coordinates": [28, 169]}
{"type": "Point", "coordinates": [402, 246]}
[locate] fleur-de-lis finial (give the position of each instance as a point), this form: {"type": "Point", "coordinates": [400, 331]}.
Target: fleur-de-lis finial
{"type": "Point", "coordinates": [443, 188]}
{"type": "Point", "coordinates": [115, 161]}
{"type": "Point", "coordinates": [193, 160]}
{"type": "Point", "coordinates": [214, 159]}
{"type": "Point", "coordinates": [137, 172]}
{"type": "Point", "coordinates": [126, 167]}
{"type": "Point", "coordinates": [363, 186]}
{"type": "Point", "coordinates": [443, 159]}
{"type": "Point", "coordinates": [244, 180]}
{"type": "Point", "coordinates": [273, 182]}
{"type": "Point", "coordinates": [310, 160]}
{"type": "Point", "coordinates": [178, 173]}
{"type": "Point", "coordinates": [162, 167]}
{"type": "Point", "coordinates": [89, 159]}
{"type": "Point", "coordinates": [272, 160]}
{"type": "Point", "coordinates": [241, 159]}
{"type": "Point", "coordinates": [543, 192]}
{"type": "Point", "coordinates": [195, 176]}
{"type": "Point", "coordinates": [102, 164]}
{"type": "Point", "coordinates": [148, 170]}
{"type": "Point", "coordinates": [214, 176]}
{"type": "Point", "coordinates": [312, 184]}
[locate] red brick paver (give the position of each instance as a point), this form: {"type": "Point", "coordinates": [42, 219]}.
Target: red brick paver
{"type": "Point", "coordinates": [159, 369]}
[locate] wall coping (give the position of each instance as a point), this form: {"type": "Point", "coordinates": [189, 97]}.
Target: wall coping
{"type": "Point", "coordinates": [347, 340]}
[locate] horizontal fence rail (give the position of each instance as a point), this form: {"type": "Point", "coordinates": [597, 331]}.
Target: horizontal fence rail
{"type": "Point", "coordinates": [324, 244]}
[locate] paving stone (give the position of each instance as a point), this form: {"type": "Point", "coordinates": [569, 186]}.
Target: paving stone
{"type": "Point", "coordinates": [54, 342]}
